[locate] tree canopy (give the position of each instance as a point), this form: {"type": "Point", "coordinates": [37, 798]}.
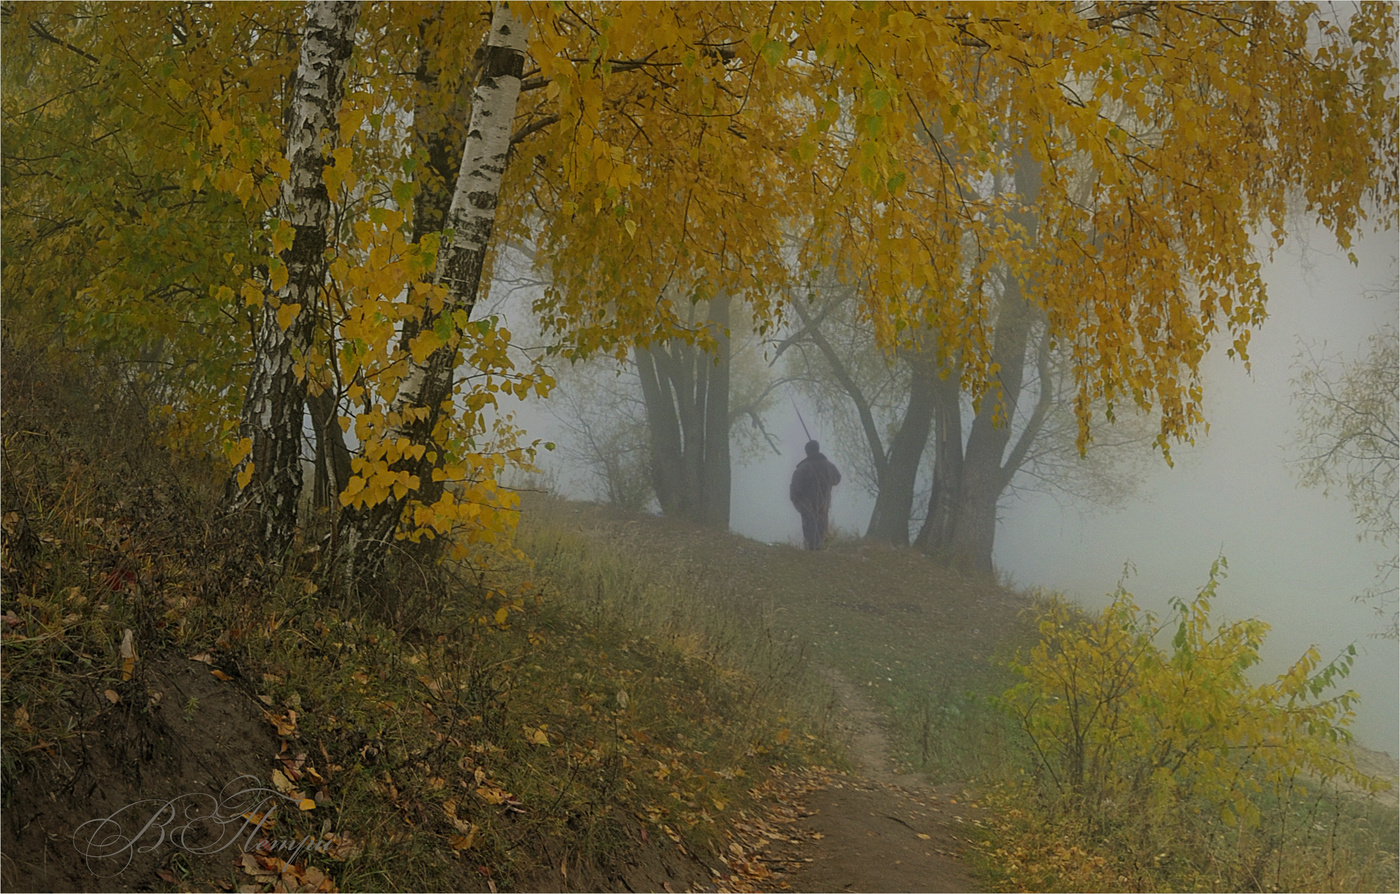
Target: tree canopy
{"type": "Point", "coordinates": [757, 144]}
{"type": "Point", "coordinates": [663, 153]}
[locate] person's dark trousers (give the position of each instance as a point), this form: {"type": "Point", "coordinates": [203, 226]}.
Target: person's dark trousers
{"type": "Point", "coordinates": [813, 531]}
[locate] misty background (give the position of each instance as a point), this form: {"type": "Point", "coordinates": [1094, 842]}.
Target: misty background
{"type": "Point", "coordinates": [1294, 556]}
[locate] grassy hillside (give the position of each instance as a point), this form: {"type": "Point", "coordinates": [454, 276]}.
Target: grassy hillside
{"type": "Point", "coordinates": [932, 651]}
{"type": "Point", "coordinates": [582, 723]}
{"type": "Point", "coordinates": [923, 643]}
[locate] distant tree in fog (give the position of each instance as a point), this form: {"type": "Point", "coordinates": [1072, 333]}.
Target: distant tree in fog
{"type": "Point", "coordinates": [1349, 440]}
{"type": "Point", "coordinates": [686, 392]}
{"type": "Point", "coordinates": [1026, 415]}
{"type": "Point", "coordinates": [938, 464]}
{"type": "Point", "coordinates": [663, 424]}
{"type": "Point", "coordinates": [600, 408]}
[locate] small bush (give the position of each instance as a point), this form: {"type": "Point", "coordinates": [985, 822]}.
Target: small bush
{"type": "Point", "coordinates": [1172, 758]}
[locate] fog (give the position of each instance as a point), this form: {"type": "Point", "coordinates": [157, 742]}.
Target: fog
{"type": "Point", "coordinates": [1294, 557]}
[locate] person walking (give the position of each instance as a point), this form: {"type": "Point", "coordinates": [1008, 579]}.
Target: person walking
{"type": "Point", "coordinates": [810, 492]}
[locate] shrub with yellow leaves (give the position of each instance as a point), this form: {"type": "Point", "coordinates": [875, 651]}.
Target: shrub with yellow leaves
{"type": "Point", "coordinates": [1145, 741]}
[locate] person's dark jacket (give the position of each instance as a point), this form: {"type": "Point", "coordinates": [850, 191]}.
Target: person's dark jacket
{"type": "Point", "coordinates": [812, 481]}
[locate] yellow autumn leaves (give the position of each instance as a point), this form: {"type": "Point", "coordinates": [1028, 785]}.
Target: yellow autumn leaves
{"type": "Point", "coordinates": [1115, 718]}
{"type": "Point", "coordinates": [669, 152]}
{"type": "Point", "coordinates": [373, 481]}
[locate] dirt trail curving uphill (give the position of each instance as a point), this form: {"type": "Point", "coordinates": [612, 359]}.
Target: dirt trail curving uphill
{"type": "Point", "coordinates": [875, 830]}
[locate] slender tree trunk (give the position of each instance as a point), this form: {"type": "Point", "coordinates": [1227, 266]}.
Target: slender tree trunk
{"type": "Point", "coordinates": [332, 455]}
{"type": "Point", "coordinates": [275, 404]}
{"type": "Point", "coordinates": [438, 135]}
{"type": "Point", "coordinates": [894, 502]}
{"type": "Point", "coordinates": [688, 379]}
{"type": "Point", "coordinates": [937, 530]}
{"type": "Point", "coordinates": [715, 470]}
{"type": "Point", "coordinates": [664, 432]}
{"type": "Point", "coordinates": [427, 386]}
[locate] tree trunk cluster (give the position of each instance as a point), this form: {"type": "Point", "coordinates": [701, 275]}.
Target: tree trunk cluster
{"type": "Point", "coordinates": [686, 392]}
{"type": "Point", "coordinates": [428, 386]}
{"type": "Point", "coordinates": [274, 407]}
{"type": "Point", "coordinates": [971, 470]}
{"type": "Point", "coordinates": [277, 400]}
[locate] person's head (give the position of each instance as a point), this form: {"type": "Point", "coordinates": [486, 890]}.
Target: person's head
{"type": "Point", "coordinates": [813, 448]}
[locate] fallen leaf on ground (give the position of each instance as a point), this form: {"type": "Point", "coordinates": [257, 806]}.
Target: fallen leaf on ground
{"type": "Point", "coordinates": [285, 725]}
{"type": "Point", "coordinates": [128, 652]}
{"type": "Point", "coordinates": [254, 867]}
{"type": "Point", "coordinates": [282, 783]}
{"type": "Point", "coordinates": [292, 766]}
{"type": "Point", "coordinates": [463, 842]}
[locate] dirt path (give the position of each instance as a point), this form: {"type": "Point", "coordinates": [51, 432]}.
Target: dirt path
{"type": "Point", "coordinates": [876, 830]}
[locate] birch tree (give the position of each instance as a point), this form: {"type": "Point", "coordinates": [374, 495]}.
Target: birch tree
{"type": "Point", "coordinates": [405, 458]}
{"type": "Point", "coordinates": [268, 473]}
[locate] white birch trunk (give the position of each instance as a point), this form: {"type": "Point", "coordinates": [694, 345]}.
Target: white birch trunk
{"type": "Point", "coordinates": [275, 403]}
{"type": "Point", "coordinates": [472, 217]}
